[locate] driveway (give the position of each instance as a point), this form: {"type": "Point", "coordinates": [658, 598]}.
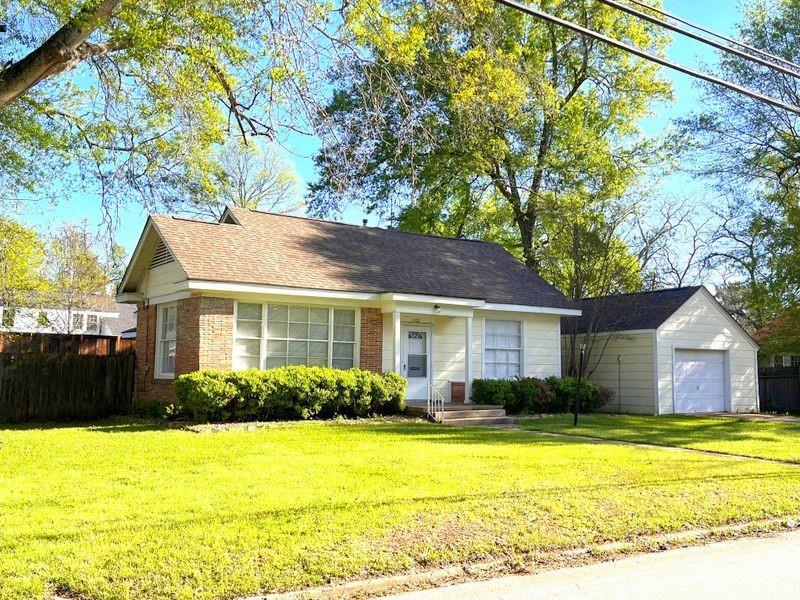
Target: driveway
{"type": "Point", "coordinates": [745, 568]}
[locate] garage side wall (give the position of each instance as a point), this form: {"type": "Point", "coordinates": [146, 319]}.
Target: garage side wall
{"type": "Point", "coordinates": [700, 324]}
{"type": "Point", "coordinates": [626, 367]}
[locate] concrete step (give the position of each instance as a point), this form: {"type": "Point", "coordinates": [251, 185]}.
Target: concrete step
{"type": "Point", "coordinates": [449, 415]}
{"type": "Point", "coordinates": [479, 421]}
{"type": "Point", "coordinates": [420, 409]}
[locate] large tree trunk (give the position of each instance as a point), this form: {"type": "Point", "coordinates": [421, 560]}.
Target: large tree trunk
{"type": "Point", "coordinates": [60, 52]}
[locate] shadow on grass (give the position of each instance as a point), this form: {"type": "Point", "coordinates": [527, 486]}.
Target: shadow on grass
{"type": "Point", "coordinates": [544, 496]}
{"type": "Point", "coordinates": [112, 425]}
{"type": "Point", "coordinates": [674, 431]}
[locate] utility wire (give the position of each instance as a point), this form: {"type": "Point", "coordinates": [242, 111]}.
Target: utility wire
{"type": "Point", "coordinates": [701, 38]}
{"type": "Point", "coordinates": [715, 34]}
{"type": "Point", "coordinates": [539, 14]}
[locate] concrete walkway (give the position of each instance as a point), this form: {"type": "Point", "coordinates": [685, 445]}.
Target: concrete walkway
{"type": "Point", "coordinates": [746, 568]}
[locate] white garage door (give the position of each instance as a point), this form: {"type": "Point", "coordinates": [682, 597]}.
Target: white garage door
{"type": "Point", "coordinates": [699, 381]}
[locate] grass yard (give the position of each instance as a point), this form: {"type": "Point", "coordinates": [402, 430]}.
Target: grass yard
{"type": "Point", "coordinates": [134, 510]}
{"type": "Point", "coordinates": [774, 440]}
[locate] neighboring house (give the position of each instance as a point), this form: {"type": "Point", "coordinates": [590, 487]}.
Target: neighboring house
{"type": "Point", "coordinates": [265, 290]}
{"type": "Point", "coordinates": [90, 315]}
{"type": "Point", "coordinates": [780, 346]}
{"type": "Point", "coordinates": [670, 351]}
{"type": "Point", "coordinates": [129, 334]}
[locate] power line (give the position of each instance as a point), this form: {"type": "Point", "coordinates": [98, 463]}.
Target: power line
{"type": "Point", "coordinates": [701, 38]}
{"type": "Point", "coordinates": [650, 57]}
{"type": "Point", "coordinates": [715, 34]}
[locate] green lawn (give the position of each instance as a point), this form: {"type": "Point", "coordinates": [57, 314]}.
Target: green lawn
{"type": "Point", "coordinates": [775, 440]}
{"type": "Point", "coordinates": [133, 510]}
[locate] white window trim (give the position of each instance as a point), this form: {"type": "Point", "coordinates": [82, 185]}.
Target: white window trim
{"type": "Point", "coordinates": [158, 373]}
{"type": "Point", "coordinates": [265, 317]}
{"type": "Point", "coordinates": [522, 350]}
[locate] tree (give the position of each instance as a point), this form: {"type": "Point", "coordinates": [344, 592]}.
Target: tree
{"type": "Point", "coordinates": [248, 177]}
{"type": "Point", "coordinates": [753, 151]}
{"type": "Point", "coordinates": [131, 97]}
{"type": "Point", "coordinates": [21, 258]}
{"type": "Point", "coordinates": [466, 102]}
{"type": "Point", "coordinates": [75, 274]}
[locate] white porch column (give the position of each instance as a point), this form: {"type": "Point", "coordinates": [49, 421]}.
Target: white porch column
{"type": "Point", "coordinates": [467, 358]}
{"type": "Point", "coordinates": [397, 343]}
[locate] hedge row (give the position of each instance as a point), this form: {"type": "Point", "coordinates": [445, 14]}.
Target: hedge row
{"type": "Point", "coordinates": [288, 393]}
{"type": "Point", "coordinates": [528, 395]}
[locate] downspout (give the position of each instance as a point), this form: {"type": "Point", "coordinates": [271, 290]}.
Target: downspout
{"type": "Point", "coordinates": [619, 383]}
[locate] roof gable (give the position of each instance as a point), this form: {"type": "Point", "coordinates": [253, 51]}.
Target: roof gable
{"type": "Point", "coordinates": [264, 248]}
{"type": "Point", "coordinates": [151, 251]}
{"type": "Point", "coordinates": [714, 303]}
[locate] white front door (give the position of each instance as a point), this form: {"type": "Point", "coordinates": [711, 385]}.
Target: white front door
{"type": "Point", "coordinates": [416, 357]}
{"type": "Point", "coordinates": [699, 381]}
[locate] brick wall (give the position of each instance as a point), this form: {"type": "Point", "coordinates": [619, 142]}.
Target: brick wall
{"type": "Point", "coordinates": [371, 339]}
{"type": "Point", "coordinates": [204, 341]}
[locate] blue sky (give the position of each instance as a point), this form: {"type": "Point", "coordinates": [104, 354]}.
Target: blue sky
{"type": "Point", "coordinates": [719, 15]}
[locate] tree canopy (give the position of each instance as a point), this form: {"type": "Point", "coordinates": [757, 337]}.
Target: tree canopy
{"type": "Point", "coordinates": [753, 152]}
{"type": "Point", "coordinates": [494, 124]}
{"type": "Point", "coordinates": [131, 97]}
{"type": "Point", "coordinates": [22, 255]}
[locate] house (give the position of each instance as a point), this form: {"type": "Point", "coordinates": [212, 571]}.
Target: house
{"type": "Point", "coordinates": [86, 314]}
{"type": "Point", "coordinates": [779, 343]}
{"type": "Point", "coordinates": [265, 290]}
{"type": "Point", "coordinates": [669, 351]}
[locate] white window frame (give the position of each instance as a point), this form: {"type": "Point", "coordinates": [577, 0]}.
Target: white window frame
{"type": "Point", "coordinates": [265, 319]}
{"type": "Point", "coordinates": [160, 308]}
{"type": "Point", "coordinates": [97, 323]}
{"type": "Point", "coordinates": [81, 327]}
{"type": "Point", "coordinates": [522, 348]}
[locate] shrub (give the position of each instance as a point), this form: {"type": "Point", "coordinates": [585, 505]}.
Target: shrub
{"type": "Point", "coordinates": [517, 396]}
{"type": "Point", "coordinates": [493, 391]}
{"type": "Point", "coordinates": [593, 396]}
{"type": "Point", "coordinates": [532, 395]}
{"type": "Point", "coordinates": [289, 393]}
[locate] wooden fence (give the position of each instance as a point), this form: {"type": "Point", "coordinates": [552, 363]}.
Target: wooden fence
{"type": "Point", "coordinates": [779, 389]}
{"type": "Point", "coordinates": [46, 387]}
{"type": "Point", "coordinates": [55, 343]}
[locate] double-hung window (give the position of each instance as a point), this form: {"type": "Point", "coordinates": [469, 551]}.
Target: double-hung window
{"type": "Point", "coordinates": [77, 322]}
{"type": "Point", "coordinates": [167, 336]}
{"type": "Point", "coordinates": [276, 335]}
{"type": "Point", "coordinates": [503, 352]}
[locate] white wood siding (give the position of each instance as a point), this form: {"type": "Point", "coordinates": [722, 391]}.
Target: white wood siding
{"type": "Point", "coordinates": [541, 354]}
{"type": "Point", "coordinates": [541, 338]}
{"type": "Point", "coordinates": [701, 324]}
{"type": "Point", "coordinates": [448, 352]}
{"type": "Point", "coordinates": [161, 281]}
{"type": "Point", "coordinates": [632, 380]}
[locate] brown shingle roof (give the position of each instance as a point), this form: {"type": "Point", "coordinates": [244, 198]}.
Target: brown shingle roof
{"type": "Point", "coordinates": [292, 251]}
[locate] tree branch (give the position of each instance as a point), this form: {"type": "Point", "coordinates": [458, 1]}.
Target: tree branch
{"type": "Point", "coordinates": [62, 51]}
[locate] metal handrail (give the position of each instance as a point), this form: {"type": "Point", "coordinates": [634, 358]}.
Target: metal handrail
{"type": "Point", "coordinates": [435, 405]}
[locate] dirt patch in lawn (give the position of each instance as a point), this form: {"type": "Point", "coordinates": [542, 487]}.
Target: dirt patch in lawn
{"type": "Point", "coordinates": [532, 563]}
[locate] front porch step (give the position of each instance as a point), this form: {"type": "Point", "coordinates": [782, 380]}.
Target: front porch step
{"type": "Point", "coordinates": [449, 415]}
{"type": "Point", "coordinates": [421, 408]}
{"type": "Point", "coordinates": [467, 414]}
{"type": "Point", "coordinates": [479, 421]}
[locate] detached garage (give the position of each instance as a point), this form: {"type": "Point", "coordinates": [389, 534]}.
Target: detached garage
{"type": "Point", "coordinates": [668, 352]}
